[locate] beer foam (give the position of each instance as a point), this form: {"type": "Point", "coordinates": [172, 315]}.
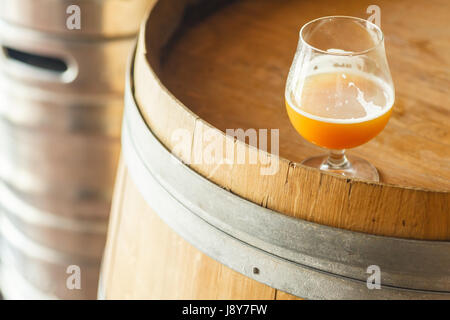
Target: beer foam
{"type": "Point", "coordinates": [369, 107]}
{"type": "Point", "coordinates": [338, 51]}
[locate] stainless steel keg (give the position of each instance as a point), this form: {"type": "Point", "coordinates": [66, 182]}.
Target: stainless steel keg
{"type": "Point", "coordinates": [61, 95]}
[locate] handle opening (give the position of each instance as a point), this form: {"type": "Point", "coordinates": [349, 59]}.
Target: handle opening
{"type": "Point", "coordinates": [46, 63]}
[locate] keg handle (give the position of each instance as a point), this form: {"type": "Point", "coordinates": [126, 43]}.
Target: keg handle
{"type": "Point", "coordinates": [40, 66]}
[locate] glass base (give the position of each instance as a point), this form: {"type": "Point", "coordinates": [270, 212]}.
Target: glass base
{"type": "Point", "coordinates": [355, 167]}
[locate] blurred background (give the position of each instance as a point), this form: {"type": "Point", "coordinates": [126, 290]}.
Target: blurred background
{"type": "Point", "coordinates": [62, 70]}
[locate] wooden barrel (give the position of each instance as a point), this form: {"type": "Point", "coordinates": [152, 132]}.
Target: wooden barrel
{"type": "Point", "coordinates": [189, 221]}
{"type": "Point", "coordinates": [61, 104]}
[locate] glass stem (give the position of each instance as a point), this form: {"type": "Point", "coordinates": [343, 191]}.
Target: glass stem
{"type": "Point", "coordinates": [337, 159]}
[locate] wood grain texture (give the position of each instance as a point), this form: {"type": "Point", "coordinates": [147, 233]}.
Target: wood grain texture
{"type": "Point", "coordinates": [109, 256]}
{"type": "Point", "coordinates": [145, 259]}
{"type": "Point", "coordinates": [285, 296]}
{"type": "Point", "coordinates": [219, 80]}
{"type": "Point", "coordinates": [234, 63]}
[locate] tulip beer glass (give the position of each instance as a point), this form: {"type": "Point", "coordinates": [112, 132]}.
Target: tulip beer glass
{"type": "Point", "coordinates": [339, 92]}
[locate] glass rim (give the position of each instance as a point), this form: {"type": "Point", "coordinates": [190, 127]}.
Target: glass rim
{"type": "Point", "coordinates": [352, 53]}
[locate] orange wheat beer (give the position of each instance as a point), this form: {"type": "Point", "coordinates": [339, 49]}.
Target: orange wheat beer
{"type": "Point", "coordinates": [340, 109]}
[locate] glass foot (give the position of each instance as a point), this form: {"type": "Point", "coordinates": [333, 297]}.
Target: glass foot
{"type": "Point", "coordinates": [354, 167]}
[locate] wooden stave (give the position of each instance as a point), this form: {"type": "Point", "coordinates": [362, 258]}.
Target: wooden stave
{"type": "Point", "coordinates": [429, 220]}
{"type": "Point", "coordinates": [177, 271]}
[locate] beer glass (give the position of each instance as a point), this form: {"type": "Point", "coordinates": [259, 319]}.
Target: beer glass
{"type": "Point", "coordinates": [339, 92]}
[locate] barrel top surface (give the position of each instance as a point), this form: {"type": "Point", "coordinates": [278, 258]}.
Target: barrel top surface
{"type": "Point", "coordinates": [98, 19]}
{"type": "Point", "coordinates": [230, 69]}
{"type": "Point", "coordinates": [216, 65]}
